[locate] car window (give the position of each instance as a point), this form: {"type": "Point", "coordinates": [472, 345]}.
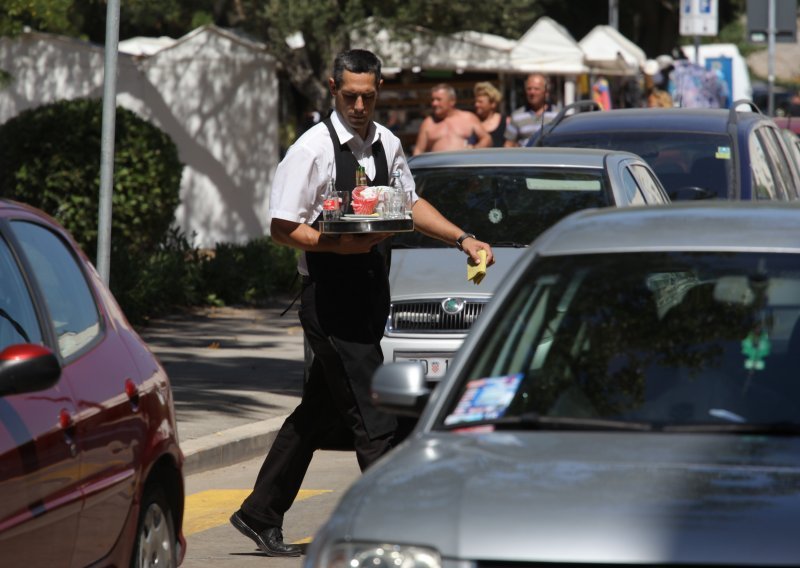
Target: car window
{"type": "Point", "coordinates": [633, 194]}
{"type": "Point", "coordinates": [664, 338]}
{"type": "Point", "coordinates": [782, 171]}
{"type": "Point", "coordinates": [793, 146]}
{"type": "Point", "coordinates": [18, 323]}
{"type": "Point", "coordinates": [653, 193]}
{"type": "Point", "coordinates": [763, 181]}
{"type": "Point", "coordinates": [505, 204]}
{"type": "Point", "coordinates": [679, 159]}
{"type": "Point", "coordinates": [70, 302]}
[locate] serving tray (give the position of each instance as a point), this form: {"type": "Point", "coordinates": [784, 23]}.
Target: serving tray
{"type": "Point", "coordinates": [350, 224]}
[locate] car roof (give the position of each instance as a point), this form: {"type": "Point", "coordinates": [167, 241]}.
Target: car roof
{"type": "Point", "coordinates": [685, 226]}
{"type": "Point", "coordinates": [653, 119]}
{"type": "Point", "coordinates": [518, 157]}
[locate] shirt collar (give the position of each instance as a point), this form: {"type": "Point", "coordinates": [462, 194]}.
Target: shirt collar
{"type": "Point", "coordinates": [346, 133]}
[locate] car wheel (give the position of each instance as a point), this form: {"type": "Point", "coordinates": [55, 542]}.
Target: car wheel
{"type": "Point", "coordinates": [155, 534]}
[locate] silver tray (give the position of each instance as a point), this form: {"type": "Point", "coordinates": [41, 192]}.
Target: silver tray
{"type": "Point", "coordinates": [376, 225]}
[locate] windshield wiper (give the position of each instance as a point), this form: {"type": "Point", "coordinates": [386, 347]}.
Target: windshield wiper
{"type": "Point", "coordinates": [511, 244]}
{"type": "Point", "coordinates": [534, 421]}
{"type": "Point", "coordinates": [773, 428]}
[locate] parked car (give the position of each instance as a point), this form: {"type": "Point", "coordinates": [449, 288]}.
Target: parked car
{"type": "Point", "coordinates": [506, 197]}
{"type": "Point", "coordinates": [696, 153]}
{"type": "Point", "coordinates": [629, 398]}
{"type": "Point", "coordinates": [90, 468]}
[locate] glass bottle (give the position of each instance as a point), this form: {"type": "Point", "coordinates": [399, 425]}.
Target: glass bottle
{"type": "Point", "coordinates": [361, 177]}
{"type": "Point", "coordinates": [396, 207]}
{"type": "Point", "coordinates": [331, 209]}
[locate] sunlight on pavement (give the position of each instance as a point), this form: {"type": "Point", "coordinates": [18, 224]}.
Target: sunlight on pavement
{"type": "Point", "coordinates": [208, 509]}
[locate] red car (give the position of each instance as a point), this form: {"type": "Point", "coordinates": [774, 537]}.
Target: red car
{"type": "Point", "coordinates": [90, 467]}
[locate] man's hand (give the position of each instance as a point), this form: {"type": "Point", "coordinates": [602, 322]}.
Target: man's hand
{"type": "Point", "coordinates": [472, 246]}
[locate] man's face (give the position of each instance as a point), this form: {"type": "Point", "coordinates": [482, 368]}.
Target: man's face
{"type": "Point", "coordinates": [535, 91]}
{"type": "Point", "coordinates": [355, 99]}
{"type": "Point", "coordinates": [484, 106]}
{"type": "Point", "coordinates": [441, 103]}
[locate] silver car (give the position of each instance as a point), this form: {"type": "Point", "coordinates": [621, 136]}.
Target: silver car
{"type": "Point", "coordinates": [630, 397]}
{"type": "Point", "coordinates": [506, 197]}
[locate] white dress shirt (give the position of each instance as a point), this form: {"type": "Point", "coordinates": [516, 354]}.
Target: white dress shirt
{"type": "Point", "coordinates": [302, 176]}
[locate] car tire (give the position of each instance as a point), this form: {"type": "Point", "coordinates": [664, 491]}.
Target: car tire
{"type": "Point", "coordinates": [155, 544]}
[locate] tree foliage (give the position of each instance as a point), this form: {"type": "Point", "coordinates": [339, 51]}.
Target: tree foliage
{"type": "Point", "coordinates": [49, 158]}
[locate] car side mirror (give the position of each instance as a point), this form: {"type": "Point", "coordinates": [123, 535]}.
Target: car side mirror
{"type": "Point", "coordinates": [400, 388]}
{"type": "Point", "coordinates": [27, 367]}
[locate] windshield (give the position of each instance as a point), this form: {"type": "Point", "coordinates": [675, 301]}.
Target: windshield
{"type": "Point", "coordinates": [505, 205]}
{"type": "Point", "coordinates": [681, 160]}
{"type": "Point", "coordinates": [665, 340]}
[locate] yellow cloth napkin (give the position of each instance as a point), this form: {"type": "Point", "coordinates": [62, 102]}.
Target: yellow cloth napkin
{"type": "Point", "coordinates": [476, 272]}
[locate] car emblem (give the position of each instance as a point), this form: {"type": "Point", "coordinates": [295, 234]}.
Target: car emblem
{"type": "Point", "coordinates": [453, 306]}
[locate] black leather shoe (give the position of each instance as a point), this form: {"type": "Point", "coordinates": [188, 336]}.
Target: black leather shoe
{"type": "Point", "coordinates": [270, 540]}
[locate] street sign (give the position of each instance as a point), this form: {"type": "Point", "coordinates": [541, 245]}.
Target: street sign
{"type": "Point", "coordinates": [699, 18]}
{"type": "Point", "coordinates": [785, 21]}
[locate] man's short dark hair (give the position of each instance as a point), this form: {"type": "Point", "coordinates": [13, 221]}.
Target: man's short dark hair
{"type": "Point", "coordinates": [356, 61]}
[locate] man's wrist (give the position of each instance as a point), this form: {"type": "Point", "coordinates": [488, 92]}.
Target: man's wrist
{"type": "Point", "coordinates": [460, 240]}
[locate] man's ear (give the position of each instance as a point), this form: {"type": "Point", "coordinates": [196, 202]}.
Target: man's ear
{"type": "Point", "coordinates": [332, 86]}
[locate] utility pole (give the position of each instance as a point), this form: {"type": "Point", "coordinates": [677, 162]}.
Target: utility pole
{"type": "Point", "coordinates": [613, 14]}
{"type": "Point", "coordinates": [771, 31]}
{"type": "Point", "coordinates": [107, 141]}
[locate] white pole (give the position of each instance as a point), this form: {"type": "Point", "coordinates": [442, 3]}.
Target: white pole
{"type": "Point", "coordinates": [771, 25]}
{"type": "Point", "coordinates": [107, 141]}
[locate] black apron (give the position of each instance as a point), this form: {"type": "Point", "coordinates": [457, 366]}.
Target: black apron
{"type": "Point", "coordinates": [351, 295]}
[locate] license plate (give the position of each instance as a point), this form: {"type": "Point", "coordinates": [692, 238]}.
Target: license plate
{"type": "Point", "coordinates": [435, 365]}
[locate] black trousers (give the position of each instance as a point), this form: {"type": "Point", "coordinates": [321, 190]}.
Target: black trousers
{"type": "Point", "coordinates": [337, 392]}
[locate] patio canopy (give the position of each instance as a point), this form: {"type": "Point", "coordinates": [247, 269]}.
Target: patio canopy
{"type": "Point", "coordinates": [609, 52]}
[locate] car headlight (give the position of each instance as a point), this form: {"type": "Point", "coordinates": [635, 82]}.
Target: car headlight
{"type": "Point", "coordinates": [372, 555]}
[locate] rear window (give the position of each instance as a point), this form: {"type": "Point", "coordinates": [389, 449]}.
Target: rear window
{"type": "Point", "coordinates": [681, 160]}
{"type": "Point", "coordinates": [505, 205]}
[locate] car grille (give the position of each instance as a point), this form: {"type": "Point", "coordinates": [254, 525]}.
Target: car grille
{"type": "Point", "coordinates": [429, 316]}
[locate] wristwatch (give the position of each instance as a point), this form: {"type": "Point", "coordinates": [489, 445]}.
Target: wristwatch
{"type": "Point", "coordinates": [462, 238]}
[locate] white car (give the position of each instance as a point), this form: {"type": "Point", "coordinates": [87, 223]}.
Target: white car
{"type": "Point", "coordinates": [506, 197]}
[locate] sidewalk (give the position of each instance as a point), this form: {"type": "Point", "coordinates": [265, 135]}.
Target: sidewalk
{"type": "Point", "coordinates": [236, 374]}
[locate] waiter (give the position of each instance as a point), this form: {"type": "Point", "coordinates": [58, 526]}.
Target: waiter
{"type": "Point", "coordinates": [345, 292]}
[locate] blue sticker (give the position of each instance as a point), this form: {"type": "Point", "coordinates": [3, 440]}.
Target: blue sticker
{"type": "Point", "coordinates": [723, 153]}
{"type": "Point", "coordinates": [485, 399]}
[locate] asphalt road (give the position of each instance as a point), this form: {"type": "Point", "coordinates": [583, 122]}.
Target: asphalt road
{"type": "Point", "coordinates": [236, 373]}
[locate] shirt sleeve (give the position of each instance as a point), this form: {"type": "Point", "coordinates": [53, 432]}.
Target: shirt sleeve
{"type": "Point", "coordinates": [298, 186]}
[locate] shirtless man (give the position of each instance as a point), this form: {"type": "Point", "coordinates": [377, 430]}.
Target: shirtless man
{"type": "Point", "coordinates": [449, 128]}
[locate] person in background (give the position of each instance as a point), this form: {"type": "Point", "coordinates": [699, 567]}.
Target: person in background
{"type": "Point", "coordinates": [601, 93]}
{"type": "Point", "coordinates": [344, 300]}
{"type": "Point", "coordinates": [655, 92]}
{"type": "Point", "coordinates": [528, 119]}
{"type": "Point", "coordinates": [487, 101]}
{"type": "Point", "coordinates": [449, 128]}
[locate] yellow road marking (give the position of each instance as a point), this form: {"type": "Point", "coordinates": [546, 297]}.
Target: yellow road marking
{"type": "Point", "coordinates": [208, 509]}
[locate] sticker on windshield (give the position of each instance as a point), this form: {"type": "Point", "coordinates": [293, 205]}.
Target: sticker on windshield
{"type": "Point", "coordinates": [485, 399]}
{"type": "Point", "coordinates": [723, 153]}
{"type": "Point", "coordinates": [548, 184]}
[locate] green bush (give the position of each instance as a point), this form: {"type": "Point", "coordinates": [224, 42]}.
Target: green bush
{"type": "Point", "coordinates": [50, 158]}
{"type": "Point", "coordinates": [251, 273]}
{"type": "Point", "coordinates": [178, 275]}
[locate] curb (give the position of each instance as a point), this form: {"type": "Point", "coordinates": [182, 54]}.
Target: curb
{"type": "Point", "coordinates": [230, 446]}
